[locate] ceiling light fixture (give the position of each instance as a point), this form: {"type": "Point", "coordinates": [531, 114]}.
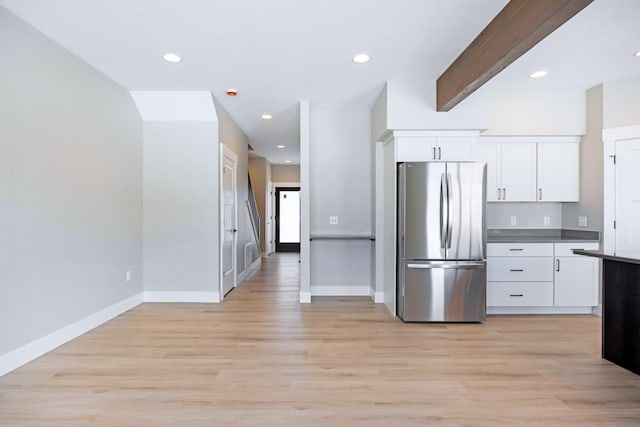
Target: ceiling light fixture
{"type": "Point", "coordinates": [538, 74]}
{"type": "Point", "coordinates": [287, 161]}
{"type": "Point", "coordinates": [267, 116]}
{"type": "Point", "coordinates": [361, 58]}
{"type": "Point", "coordinates": [637, 54]}
{"type": "Point", "coordinates": [280, 146]}
{"type": "Point", "coordinates": [231, 92]}
{"type": "Point", "coordinates": [172, 57]}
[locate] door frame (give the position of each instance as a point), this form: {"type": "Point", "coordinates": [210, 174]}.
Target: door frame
{"type": "Point", "coordinates": [274, 228]}
{"type": "Point", "coordinates": [227, 152]}
{"type": "Point", "coordinates": [610, 137]}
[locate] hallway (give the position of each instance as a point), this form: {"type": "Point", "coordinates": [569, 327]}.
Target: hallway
{"type": "Point", "coordinates": [262, 359]}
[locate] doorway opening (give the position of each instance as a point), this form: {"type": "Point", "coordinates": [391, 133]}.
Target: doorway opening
{"type": "Point", "coordinates": [287, 219]}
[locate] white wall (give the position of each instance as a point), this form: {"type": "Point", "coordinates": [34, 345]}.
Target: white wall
{"type": "Point", "coordinates": [305, 204]}
{"type": "Point", "coordinates": [341, 166]}
{"type": "Point", "coordinates": [591, 164]}
{"type": "Point", "coordinates": [412, 106]}
{"type": "Point", "coordinates": [379, 116]}
{"type": "Point", "coordinates": [536, 113]}
{"type": "Point", "coordinates": [70, 189]}
{"type": "Point", "coordinates": [620, 103]}
{"type": "Point", "coordinates": [181, 207]}
{"type": "Point", "coordinates": [285, 173]}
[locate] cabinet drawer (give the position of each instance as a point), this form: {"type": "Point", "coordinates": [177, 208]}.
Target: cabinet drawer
{"type": "Point", "coordinates": [566, 249]}
{"type": "Point", "coordinates": [532, 294]}
{"type": "Point", "coordinates": [520, 249]}
{"type": "Point", "coordinates": [520, 269]}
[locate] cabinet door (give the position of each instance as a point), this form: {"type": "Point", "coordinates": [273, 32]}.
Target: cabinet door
{"type": "Point", "coordinates": [576, 281]}
{"type": "Point", "coordinates": [415, 149]}
{"type": "Point", "coordinates": [489, 153]}
{"type": "Point", "coordinates": [518, 167]}
{"type": "Point", "coordinates": [558, 172]}
{"type": "Point", "coordinates": [454, 149]}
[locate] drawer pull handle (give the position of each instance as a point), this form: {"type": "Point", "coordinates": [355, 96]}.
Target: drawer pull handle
{"type": "Point", "coordinates": [516, 295]}
{"type": "Point", "coordinates": [516, 249]}
{"type": "Point", "coordinates": [516, 269]}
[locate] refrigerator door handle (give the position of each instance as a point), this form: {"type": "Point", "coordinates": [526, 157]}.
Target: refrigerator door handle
{"type": "Point", "coordinates": [444, 210]}
{"type": "Point", "coordinates": [436, 265]}
{"type": "Point", "coordinates": [449, 215]}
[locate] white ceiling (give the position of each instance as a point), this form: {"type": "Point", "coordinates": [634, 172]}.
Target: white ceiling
{"type": "Point", "coordinates": [278, 52]}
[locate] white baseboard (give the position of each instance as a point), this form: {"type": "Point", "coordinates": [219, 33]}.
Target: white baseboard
{"type": "Point", "coordinates": [170, 296]}
{"type": "Point", "coordinates": [341, 291]}
{"type": "Point", "coordinates": [377, 297]}
{"type": "Point", "coordinates": [305, 297]}
{"type": "Point", "coordinates": [248, 270]}
{"type": "Point", "coordinates": [539, 310]}
{"type": "Point", "coordinates": [597, 310]}
{"type": "Point", "coordinates": [37, 348]}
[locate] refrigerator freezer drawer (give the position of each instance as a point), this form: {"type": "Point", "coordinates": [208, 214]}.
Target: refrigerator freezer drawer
{"type": "Point", "coordinates": [441, 293]}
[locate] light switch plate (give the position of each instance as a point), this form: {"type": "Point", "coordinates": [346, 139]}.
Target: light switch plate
{"type": "Point", "coordinates": [514, 220]}
{"type": "Point", "coordinates": [547, 220]}
{"type": "Point", "coordinates": [333, 220]}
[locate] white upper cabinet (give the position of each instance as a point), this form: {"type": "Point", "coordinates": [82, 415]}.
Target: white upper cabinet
{"type": "Point", "coordinates": [511, 170]}
{"type": "Point", "coordinates": [558, 172]}
{"type": "Point", "coordinates": [520, 169]}
{"type": "Point", "coordinates": [434, 148]}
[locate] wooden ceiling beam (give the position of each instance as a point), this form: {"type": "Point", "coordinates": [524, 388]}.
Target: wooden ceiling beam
{"type": "Point", "coordinates": [516, 29]}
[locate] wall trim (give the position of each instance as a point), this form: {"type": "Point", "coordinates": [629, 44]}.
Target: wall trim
{"type": "Point", "coordinates": [341, 291]}
{"type": "Point", "coordinates": [43, 345]}
{"type": "Point", "coordinates": [539, 310]}
{"type": "Point", "coordinates": [171, 296]}
{"type": "Point", "coordinates": [243, 275]}
{"type": "Point", "coordinates": [516, 139]}
{"type": "Point", "coordinates": [305, 297]}
{"type": "Point", "coordinates": [597, 310]}
{"type": "Point", "coordinates": [621, 133]}
{"type": "Point", "coordinates": [377, 297]}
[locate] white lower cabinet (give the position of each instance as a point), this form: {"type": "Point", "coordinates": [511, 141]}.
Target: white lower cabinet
{"type": "Point", "coordinates": [541, 276]}
{"type": "Point", "coordinates": [576, 278]}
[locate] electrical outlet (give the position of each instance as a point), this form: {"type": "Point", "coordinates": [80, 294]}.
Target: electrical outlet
{"type": "Point", "coordinates": [514, 220]}
{"type": "Point", "coordinates": [127, 276]}
{"type": "Point", "coordinates": [582, 221]}
{"type": "Point", "coordinates": [547, 220]}
{"type": "Point", "coordinates": [333, 220]}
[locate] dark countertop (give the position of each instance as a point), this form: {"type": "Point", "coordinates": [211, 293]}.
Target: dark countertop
{"type": "Point", "coordinates": [536, 235]}
{"type": "Point", "coordinates": [631, 257]}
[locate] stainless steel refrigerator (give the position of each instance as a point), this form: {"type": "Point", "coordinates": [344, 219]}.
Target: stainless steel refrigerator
{"type": "Point", "coordinates": [441, 271]}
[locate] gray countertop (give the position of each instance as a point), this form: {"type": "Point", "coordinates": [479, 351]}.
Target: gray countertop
{"type": "Point", "coordinates": [631, 257]}
{"type": "Point", "coordinates": [536, 235]}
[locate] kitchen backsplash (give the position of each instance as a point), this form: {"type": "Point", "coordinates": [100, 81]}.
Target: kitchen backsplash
{"type": "Point", "coordinates": [525, 215]}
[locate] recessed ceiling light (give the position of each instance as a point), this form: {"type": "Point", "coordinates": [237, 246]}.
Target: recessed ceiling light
{"type": "Point", "coordinates": [538, 74]}
{"type": "Point", "coordinates": [361, 58]}
{"type": "Point", "coordinates": [280, 146]}
{"type": "Point", "coordinates": [267, 116]}
{"type": "Point", "coordinates": [287, 161]}
{"type": "Point", "coordinates": [171, 57]}
{"type": "Point", "coordinates": [637, 54]}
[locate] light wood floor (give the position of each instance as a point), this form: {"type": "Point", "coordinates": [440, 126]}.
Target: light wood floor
{"type": "Point", "coordinates": [262, 359]}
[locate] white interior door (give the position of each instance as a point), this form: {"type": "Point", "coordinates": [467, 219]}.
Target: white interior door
{"type": "Point", "coordinates": [229, 221]}
{"type": "Point", "coordinates": [627, 171]}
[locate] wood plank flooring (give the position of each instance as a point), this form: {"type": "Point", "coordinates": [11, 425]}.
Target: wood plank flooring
{"type": "Point", "coordinates": [262, 359]}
